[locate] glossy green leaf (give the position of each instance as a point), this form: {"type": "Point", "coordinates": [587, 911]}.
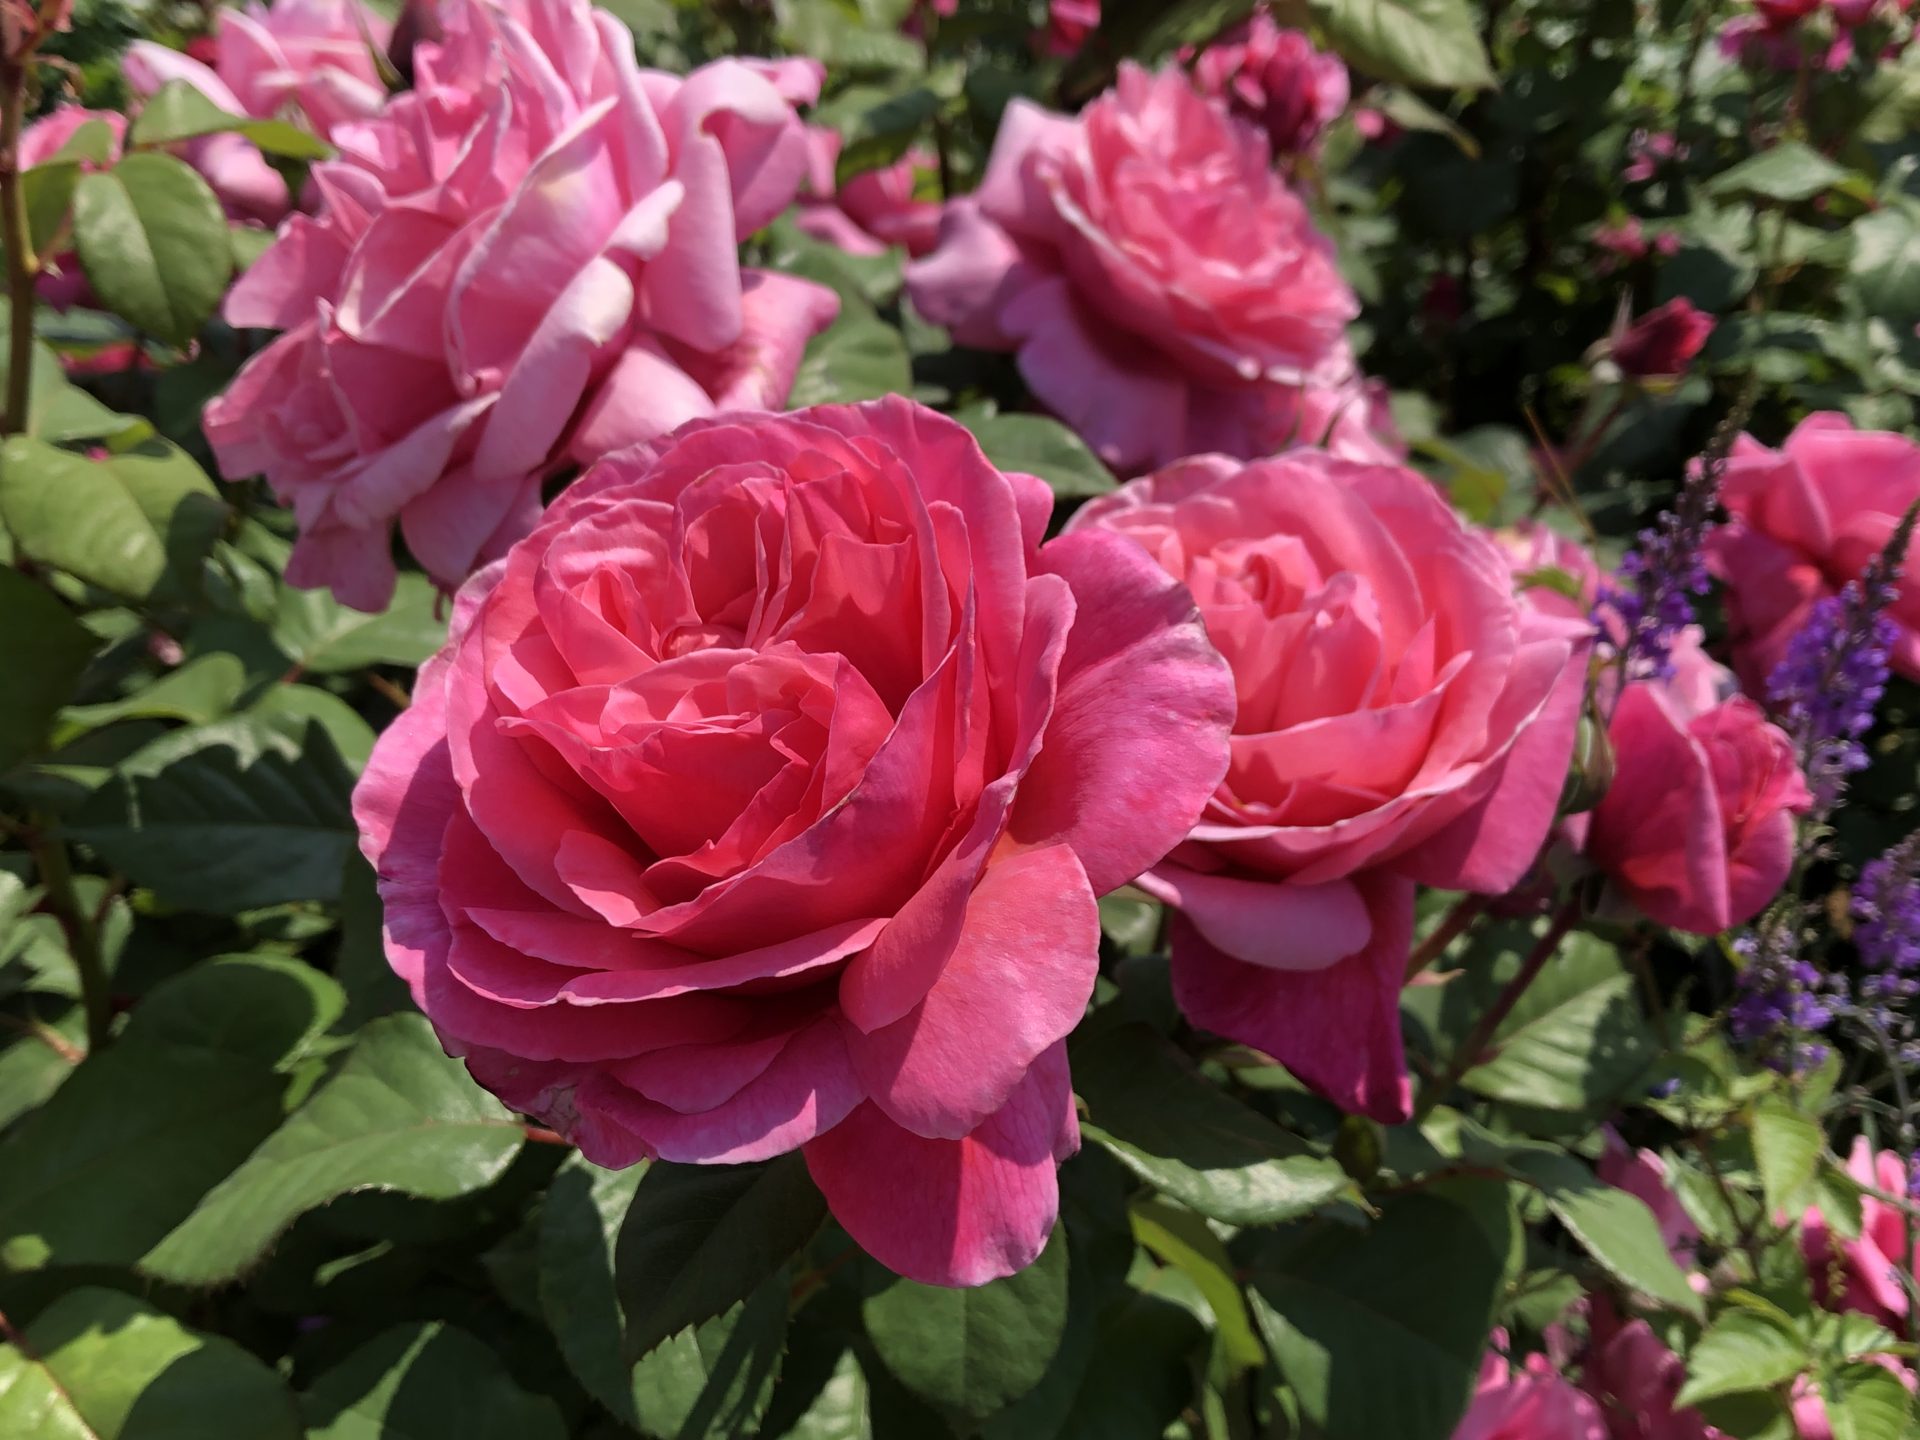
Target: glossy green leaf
{"type": "Point", "coordinates": [154, 244]}
{"type": "Point", "coordinates": [1380, 1330]}
{"type": "Point", "coordinates": [1741, 1350]}
{"type": "Point", "coordinates": [828, 33]}
{"type": "Point", "coordinates": [423, 1382]}
{"type": "Point", "coordinates": [199, 692]}
{"type": "Point", "coordinates": [38, 1061]}
{"type": "Point", "coordinates": [1191, 1140]}
{"type": "Point", "coordinates": [1181, 1238]}
{"type": "Point", "coordinates": [1038, 445]}
{"type": "Point", "coordinates": [400, 1115]}
{"type": "Point", "coordinates": [100, 1365]}
{"type": "Point", "coordinates": [713, 1382]}
{"type": "Point", "coordinates": [579, 1226]}
{"type": "Point", "coordinates": [1414, 42]}
{"type": "Point", "coordinates": [699, 1239]}
{"type": "Point", "coordinates": [178, 111]}
{"type": "Point", "coordinates": [858, 357]}
{"type": "Point", "coordinates": [43, 650]}
{"type": "Point", "coordinates": [1867, 1402]}
{"type": "Point", "coordinates": [1787, 1146]}
{"type": "Point", "coordinates": [226, 817]}
{"type": "Point", "coordinates": [971, 1352]}
{"type": "Point", "coordinates": [137, 523]}
{"type": "Point", "coordinates": [321, 635]}
{"type": "Point", "coordinates": [1788, 171]}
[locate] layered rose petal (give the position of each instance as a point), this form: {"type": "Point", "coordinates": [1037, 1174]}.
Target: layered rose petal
{"type": "Point", "coordinates": [1402, 717]}
{"type": "Point", "coordinates": [706, 836]}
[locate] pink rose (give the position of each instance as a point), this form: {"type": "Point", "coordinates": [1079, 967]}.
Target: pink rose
{"type": "Point", "coordinates": [1532, 1403]}
{"type": "Point", "coordinates": [1810, 1418]}
{"type": "Point", "coordinates": [1276, 78]}
{"type": "Point", "coordinates": [512, 264]}
{"type": "Point", "coordinates": [759, 801]}
{"type": "Point", "coordinates": [306, 59]}
{"type": "Point", "coordinates": [1403, 720]}
{"type": "Point", "coordinates": [1663, 342]}
{"type": "Point", "coordinates": [1697, 829]}
{"type": "Point", "coordinates": [1784, 13]}
{"type": "Point", "coordinates": [1752, 41]}
{"type": "Point", "coordinates": [1643, 1174]}
{"type": "Point", "coordinates": [1806, 520]}
{"type": "Point", "coordinates": [62, 284]}
{"type": "Point", "coordinates": [1545, 564]}
{"type": "Point", "coordinates": [874, 210]}
{"type": "Point", "coordinates": [1853, 13]}
{"type": "Point", "coordinates": [1069, 23]}
{"type": "Point", "coordinates": [1647, 151]}
{"type": "Point", "coordinates": [1636, 1379]}
{"type": "Point", "coordinates": [1162, 287]}
{"type": "Point", "coordinates": [1869, 1267]}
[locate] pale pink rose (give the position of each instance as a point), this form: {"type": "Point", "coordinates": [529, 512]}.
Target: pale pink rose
{"type": "Point", "coordinates": [1806, 520]}
{"type": "Point", "coordinates": [1697, 829]}
{"type": "Point", "coordinates": [62, 284]}
{"type": "Point", "coordinates": [760, 799]}
{"type": "Point", "coordinates": [1276, 78]}
{"type": "Point", "coordinates": [1636, 1379]}
{"type": "Point", "coordinates": [1069, 23]}
{"type": "Point", "coordinates": [1531, 1403]}
{"type": "Point", "coordinates": [874, 210]}
{"type": "Point", "coordinates": [1163, 289]}
{"type": "Point", "coordinates": [304, 60]}
{"type": "Point", "coordinates": [1403, 719]}
{"type": "Point", "coordinates": [529, 257]}
{"type": "Point", "coordinates": [1869, 1267]}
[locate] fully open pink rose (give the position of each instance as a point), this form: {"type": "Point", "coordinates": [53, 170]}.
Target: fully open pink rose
{"type": "Point", "coordinates": [531, 255]}
{"type": "Point", "coordinates": [1531, 1403]}
{"type": "Point", "coordinates": [1403, 719]}
{"type": "Point", "coordinates": [1864, 1273]}
{"type": "Point", "coordinates": [1275, 77]}
{"type": "Point", "coordinates": [760, 798]}
{"type": "Point", "coordinates": [62, 283]}
{"type": "Point", "coordinates": [1163, 289]}
{"type": "Point", "coordinates": [1806, 520]}
{"type": "Point", "coordinates": [1697, 830]}
{"type": "Point", "coordinates": [306, 60]}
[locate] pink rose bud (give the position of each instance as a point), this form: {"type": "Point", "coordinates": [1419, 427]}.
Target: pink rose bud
{"type": "Point", "coordinates": [1405, 719]}
{"type": "Point", "coordinates": [1164, 290]}
{"type": "Point", "coordinates": [1663, 342]}
{"type": "Point", "coordinates": [1276, 78]}
{"type": "Point", "coordinates": [455, 332]}
{"type": "Point", "coordinates": [759, 802]}
{"type": "Point", "coordinates": [1806, 519]}
{"type": "Point", "coordinates": [1069, 23]}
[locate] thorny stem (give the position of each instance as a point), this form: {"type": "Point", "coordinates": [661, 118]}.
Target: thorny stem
{"type": "Point", "coordinates": [21, 260]}
{"type": "Point", "coordinates": [1473, 1049]}
{"type": "Point", "coordinates": [83, 935]}
{"type": "Point", "coordinates": [1466, 910]}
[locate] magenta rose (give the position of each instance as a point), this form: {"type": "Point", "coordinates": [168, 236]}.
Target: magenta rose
{"type": "Point", "coordinates": [1164, 292]}
{"type": "Point", "coordinates": [1697, 829]}
{"type": "Point", "coordinates": [1636, 1380]}
{"type": "Point", "coordinates": [759, 801]}
{"type": "Point", "coordinates": [1806, 520]}
{"type": "Point", "coordinates": [1528, 1403]}
{"type": "Point", "coordinates": [1403, 719]}
{"type": "Point", "coordinates": [1663, 342]}
{"type": "Point", "coordinates": [1069, 23]}
{"type": "Point", "coordinates": [530, 256]}
{"type": "Point", "coordinates": [1276, 78]}
{"type": "Point", "coordinates": [1868, 1267]}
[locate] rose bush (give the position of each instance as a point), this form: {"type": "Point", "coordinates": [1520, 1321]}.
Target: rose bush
{"type": "Point", "coordinates": [1403, 719]}
{"type": "Point", "coordinates": [760, 799]}
{"type": "Point", "coordinates": [453, 330]}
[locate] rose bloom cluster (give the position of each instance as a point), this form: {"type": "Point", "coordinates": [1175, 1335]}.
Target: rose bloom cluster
{"type": "Point", "coordinates": [761, 796]}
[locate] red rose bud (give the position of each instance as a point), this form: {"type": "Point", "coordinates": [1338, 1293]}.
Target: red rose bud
{"type": "Point", "coordinates": [1662, 342]}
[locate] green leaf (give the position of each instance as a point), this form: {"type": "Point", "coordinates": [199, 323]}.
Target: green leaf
{"type": "Point", "coordinates": [1414, 42]}
{"type": "Point", "coordinates": [1789, 171]}
{"type": "Point", "coordinates": [1141, 1377]}
{"type": "Point", "coordinates": [321, 635]}
{"type": "Point", "coordinates": [1616, 1228]}
{"type": "Point", "coordinates": [971, 1352]}
{"type": "Point", "coordinates": [698, 1239]}
{"type": "Point", "coordinates": [714, 1382]}
{"type": "Point", "coordinates": [423, 1382]}
{"type": "Point", "coordinates": [1886, 263]}
{"type": "Point", "coordinates": [140, 1132]}
{"type": "Point", "coordinates": [1181, 1238]}
{"type": "Point", "coordinates": [199, 692]}
{"type": "Point", "coordinates": [876, 124]}
{"type": "Point", "coordinates": [1038, 445]}
{"type": "Point", "coordinates": [38, 1062]}
{"type": "Point", "coordinates": [288, 710]}
{"type": "Point", "coordinates": [100, 1365]}
{"type": "Point", "coordinates": [858, 357]}
{"type": "Point", "coordinates": [399, 1115]}
{"type": "Point", "coordinates": [1787, 1146]}
{"type": "Point", "coordinates": [226, 817]}
{"type": "Point", "coordinates": [137, 523]}
{"type": "Point", "coordinates": [1867, 1402]}
{"type": "Point", "coordinates": [178, 111]}
{"type": "Point", "coordinates": [1577, 1038]}
{"type": "Point", "coordinates": [61, 411]}
{"type": "Point", "coordinates": [154, 244]}
{"type": "Point", "coordinates": [43, 650]}
{"type": "Point", "coordinates": [839, 40]}
{"type": "Point", "coordinates": [579, 1225]}
{"type": "Point", "coordinates": [1742, 1350]}
{"type": "Point", "coordinates": [1192, 1141]}
{"type": "Point", "coordinates": [861, 281]}
{"type": "Point", "coordinates": [1380, 1331]}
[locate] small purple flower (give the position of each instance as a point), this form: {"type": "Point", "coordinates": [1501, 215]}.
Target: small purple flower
{"type": "Point", "coordinates": [1829, 683]}
{"type": "Point", "coordinates": [1782, 998]}
{"type": "Point", "coordinates": [1886, 912]}
{"type": "Point", "coordinates": [1660, 577]}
